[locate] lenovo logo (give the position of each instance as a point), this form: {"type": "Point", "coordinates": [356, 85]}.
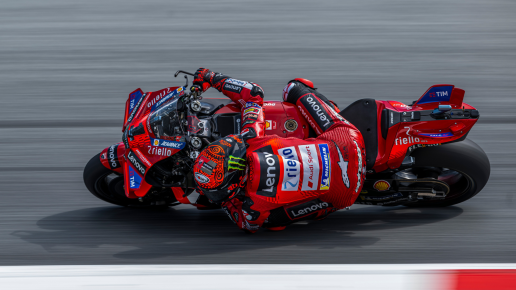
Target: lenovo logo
{"type": "Point", "coordinates": [316, 106]}
{"type": "Point", "coordinates": [137, 163]}
{"type": "Point", "coordinates": [307, 208]}
{"type": "Point", "coordinates": [269, 172]}
{"type": "Point", "coordinates": [113, 157]}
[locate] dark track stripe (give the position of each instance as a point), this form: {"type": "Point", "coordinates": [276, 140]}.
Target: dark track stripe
{"type": "Point", "coordinates": [105, 123]}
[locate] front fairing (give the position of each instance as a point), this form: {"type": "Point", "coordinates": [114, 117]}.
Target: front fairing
{"type": "Point", "coordinates": [149, 137]}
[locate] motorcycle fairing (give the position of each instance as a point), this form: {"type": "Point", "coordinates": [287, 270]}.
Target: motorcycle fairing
{"type": "Point", "coordinates": [139, 104]}
{"type": "Point", "coordinates": [436, 93]}
{"type": "Point", "coordinates": [113, 158]}
{"type": "Point", "coordinates": [441, 94]}
{"type": "Point", "coordinates": [407, 130]}
{"type": "Point", "coordinates": [130, 105]}
{"type": "Point", "coordinates": [143, 144]}
{"type": "Point", "coordinates": [134, 183]}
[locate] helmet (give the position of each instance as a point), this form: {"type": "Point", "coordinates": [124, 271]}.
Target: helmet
{"type": "Point", "coordinates": [220, 169]}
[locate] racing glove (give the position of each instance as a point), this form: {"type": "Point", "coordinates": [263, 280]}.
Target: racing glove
{"type": "Point", "coordinates": [202, 78]}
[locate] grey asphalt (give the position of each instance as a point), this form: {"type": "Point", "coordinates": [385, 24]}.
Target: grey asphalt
{"type": "Point", "coordinates": [67, 67]}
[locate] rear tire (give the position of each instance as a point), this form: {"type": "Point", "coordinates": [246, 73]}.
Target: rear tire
{"type": "Point", "coordinates": [466, 158]}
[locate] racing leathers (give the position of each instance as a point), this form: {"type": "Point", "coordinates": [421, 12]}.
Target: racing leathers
{"type": "Point", "coordinates": [289, 179]}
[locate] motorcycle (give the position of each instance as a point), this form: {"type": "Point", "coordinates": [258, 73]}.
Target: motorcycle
{"type": "Point", "coordinates": [416, 155]}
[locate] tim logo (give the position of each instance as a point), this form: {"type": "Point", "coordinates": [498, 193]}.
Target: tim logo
{"type": "Point", "coordinates": [438, 94]}
{"type": "Point", "coordinates": [291, 169]}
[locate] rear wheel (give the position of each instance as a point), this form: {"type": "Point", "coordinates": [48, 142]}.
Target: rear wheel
{"type": "Point", "coordinates": [108, 186]}
{"type": "Point", "coordinates": [464, 166]}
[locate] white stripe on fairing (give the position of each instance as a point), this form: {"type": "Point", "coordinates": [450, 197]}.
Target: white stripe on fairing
{"type": "Point", "coordinates": [249, 277]}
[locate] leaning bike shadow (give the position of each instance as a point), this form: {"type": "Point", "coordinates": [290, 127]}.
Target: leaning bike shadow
{"type": "Point", "coordinates": [186, 234]}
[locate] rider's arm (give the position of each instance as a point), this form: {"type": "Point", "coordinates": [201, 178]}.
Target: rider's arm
{"type": "Point", "coordinates": [249, 96]}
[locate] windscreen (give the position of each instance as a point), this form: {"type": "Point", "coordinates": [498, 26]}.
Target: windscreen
{"type": "Point", "coordinates": [165, 121]}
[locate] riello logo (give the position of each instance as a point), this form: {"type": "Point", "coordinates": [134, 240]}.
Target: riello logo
{"type": "Point", "coordinates": [406, 140]}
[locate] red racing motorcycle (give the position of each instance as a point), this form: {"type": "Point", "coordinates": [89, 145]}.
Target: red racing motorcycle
{"type": "Point", "coordinates": [416, 155]}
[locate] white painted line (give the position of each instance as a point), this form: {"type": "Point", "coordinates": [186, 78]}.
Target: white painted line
{"type": "Point", "coordinates": [228, 277]}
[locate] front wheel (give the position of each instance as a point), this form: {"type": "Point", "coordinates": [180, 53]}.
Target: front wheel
{"type": "Point", "coordinates": [464, 166]}
{"type": "Point", "coordinates": [108, 186]}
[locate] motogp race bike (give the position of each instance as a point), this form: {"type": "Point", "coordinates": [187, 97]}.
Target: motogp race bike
{"type": "Point", "coordinates": [416, 155]}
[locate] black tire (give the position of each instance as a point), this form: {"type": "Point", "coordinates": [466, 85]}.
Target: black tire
{"type": "Point", "coordinates": [466, 158]}
{"type": "Point", "coordinates": [94, 178]}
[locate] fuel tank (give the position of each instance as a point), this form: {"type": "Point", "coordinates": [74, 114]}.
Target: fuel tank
{"type": "Point", "coordinates": [281, 119]}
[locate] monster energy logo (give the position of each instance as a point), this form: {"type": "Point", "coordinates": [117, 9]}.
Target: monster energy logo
{"type": "Point", "coordinates": [236, 163]}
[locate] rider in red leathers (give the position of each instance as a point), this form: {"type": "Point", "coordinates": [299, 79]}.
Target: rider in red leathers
{"type": "Point", "coordinates": [269, 181]}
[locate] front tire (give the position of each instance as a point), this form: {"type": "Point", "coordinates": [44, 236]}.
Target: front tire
{"type": "Point", "coordinates": [108, 186]}
{"type": "Point", "coordinates": [466, 158]}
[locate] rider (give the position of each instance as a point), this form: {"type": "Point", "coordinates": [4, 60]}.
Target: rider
{"type": "Point", "coordinates": [269, 181]}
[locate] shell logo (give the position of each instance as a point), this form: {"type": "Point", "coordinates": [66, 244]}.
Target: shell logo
{"type": "Point", "coordinates": [156, 142]}
{"type": "Point", "coordinates": [269, 124]}
{"type": "Point", "coordinates": [381, 185]}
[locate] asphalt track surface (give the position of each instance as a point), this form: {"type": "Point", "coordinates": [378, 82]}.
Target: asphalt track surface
{"type": "Point", "coordinates": [67, 67]}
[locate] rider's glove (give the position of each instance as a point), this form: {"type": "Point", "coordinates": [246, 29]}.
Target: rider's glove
{"type": "Point", "coordinates": [202, 78]}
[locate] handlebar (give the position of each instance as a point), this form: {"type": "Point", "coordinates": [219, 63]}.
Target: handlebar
{"type": "Point", "coordinates": [184, 72]}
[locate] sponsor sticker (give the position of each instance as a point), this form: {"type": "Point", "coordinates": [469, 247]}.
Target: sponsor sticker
{"type": "Point", "coordinates": [236, 82]}
{"type": "Point", "coordinates": [439, 135]}
{"type": "Point", "coordinates": [142, 158]}
{"type": "Point", "coordinates": [251, 117]}
{"type": "Point", "coordinates": [382, 185]}
{"type": "Point", "coordinates": [291, 169]}
{"type": "Point", "coordinates": [307, 208]}
{"type": "Point", "coordinates": [138, 164]}
{"type": "Point", "coordinates": [343, 164]}
{"type": "Point", "coordinates": [152, 150]}
{"type": "Point", "coordinates": [326, 166]}
{"type": "Point", "coordinates": [134, 109]}
{"type": "Point", "coordinates": [156, 97]}
{"type": "Point", "coordinates": [270, 125]}
{"type": "Point", "coordinates": [201, 178]}
{"type": "Point", "coordinates": [113, 156]}
{"type": "Point", "coordinates": [167, 143]}
{"type": "Point", "coordinates": [360, 168]}
{"type": "Point", "coordinates": [437, 94]}
{"type": "Point", "coordinates": [269, 173]}
{"type": "Point", "coordinates": [251, 110]}
{"type": "Point", "coordinates": [232, 88]}
{"type": "Point", "coordinates": [206, 165]}
{"type": "Point", "coordinates": [134, 179]}
{"type": "Point", "coordinates": [156, 102]}
{"type": "Point", "coordinates": [310, 160]}
{"type": "Point", "coordinates": [134, 98]}
{"type": "Point", "coordinates": [318, 112]}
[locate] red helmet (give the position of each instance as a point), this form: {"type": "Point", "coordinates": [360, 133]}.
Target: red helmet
{"type": "Point", "coordinates": [220, 169]}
